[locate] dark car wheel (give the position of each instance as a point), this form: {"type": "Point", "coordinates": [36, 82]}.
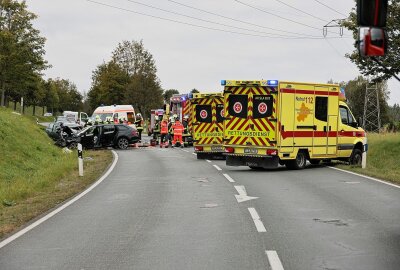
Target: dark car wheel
{"type": "Point", "coordinates": [123, 143]}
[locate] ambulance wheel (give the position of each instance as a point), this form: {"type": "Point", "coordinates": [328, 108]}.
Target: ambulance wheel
{"type": "Point", "coordinates": [298, 163]}
{"type": "Point", "coordinates": [315, 161]}
{"type": "Point", "coordinates": [356, 157]}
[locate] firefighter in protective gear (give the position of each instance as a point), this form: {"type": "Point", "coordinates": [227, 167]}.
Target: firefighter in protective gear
{"type": "Point", "coordinates": [177, 128]}
{"type": "Point", "coordinates": [139, 124]}
{"type": "Point", "coordinates": [156, 129]}
{"type": "Point", "coordinates": [98, 120]}
{"type": "Point", "coordinates": [164, 132]}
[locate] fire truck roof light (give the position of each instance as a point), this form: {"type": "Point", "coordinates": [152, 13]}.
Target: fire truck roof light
{"type": "Point", "coordinates": [272, 82]}
{"type": "Point", "coordinates": [223, 82]}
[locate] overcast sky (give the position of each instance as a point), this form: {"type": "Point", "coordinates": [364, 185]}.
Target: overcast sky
{"type": "Point", "coordinates": [82, 34]}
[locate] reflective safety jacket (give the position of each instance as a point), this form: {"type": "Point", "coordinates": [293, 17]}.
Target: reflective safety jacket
{"type": "Point", "coordinates": [177, 128]}
{"type": "Point", "coordinates": [164, 127]}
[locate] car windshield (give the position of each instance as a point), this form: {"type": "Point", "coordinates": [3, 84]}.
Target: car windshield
{"type": "Point", "coordinates": [103, 116]}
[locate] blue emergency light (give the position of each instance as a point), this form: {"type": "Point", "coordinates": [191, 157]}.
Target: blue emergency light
{"type": "Point", "coordinates": [272, 82]}
{"type": "Point", "coordinates": [223, 82]}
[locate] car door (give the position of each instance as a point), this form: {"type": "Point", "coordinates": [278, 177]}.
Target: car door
{"type": "Point", "coordinates": [87, 138]}
{"type": "Point", "coordinates": [107, 135]}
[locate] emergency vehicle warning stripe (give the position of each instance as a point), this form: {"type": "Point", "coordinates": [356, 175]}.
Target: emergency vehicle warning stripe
{"type": "Point", "coordinates": [300, 91]}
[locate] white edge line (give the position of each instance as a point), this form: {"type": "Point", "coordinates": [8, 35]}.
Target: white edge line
{"type": "Point", "coordinates": [62, 207]}
{"type": "Point", "coordinates": [230, 179]}
{"type": "Point", "coordinates": [274, 260]}
{"type": "Point", "coordinates": [209, 161]}
{"type": "Point", "coordinates": [257, 221]}
{"type": "Point", "coordinates": [218, 168]}
{"type": "Point", "coordinates": [368, 177]}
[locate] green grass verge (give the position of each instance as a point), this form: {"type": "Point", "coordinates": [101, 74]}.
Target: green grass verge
{"type": "Point", "coordinates": [383, 157]}
{"type": "Point", "coordinates": [35, 175]}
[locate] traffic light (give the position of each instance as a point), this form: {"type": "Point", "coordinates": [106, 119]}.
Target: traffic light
{"type": "Point", "coordinates": [372, 13]}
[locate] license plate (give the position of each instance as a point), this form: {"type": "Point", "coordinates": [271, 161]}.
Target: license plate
{"type": "Point", "coordinates": [216, 148]}
{"type": "Point", "coordinates": [251, 151]}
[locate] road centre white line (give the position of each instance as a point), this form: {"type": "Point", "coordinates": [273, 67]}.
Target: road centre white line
{"type": "Point", "coordinates": [230, 179]}
{"type": "Point", "coordinates": [186, 151]}
{"type": "Point", "coordinates": [368, 177]}
{"type": "Point", "coordinates": [218, 168]}
{"type": "Point", "coordinates": [274, 260]}
{"type": "Point", "coordinates": [209, 161]}
{"type": "Point", "coordinates": [194, 154]}
{"type": "Point", "coordinates": [257, 221]}
{"type": "Point", "coordinates": [62, 207]}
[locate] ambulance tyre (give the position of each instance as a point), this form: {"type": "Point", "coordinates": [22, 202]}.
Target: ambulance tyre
{"type": "Point", "coordinates": [356, 157]}
{"type": "Point", "coordinates": [298, 163]}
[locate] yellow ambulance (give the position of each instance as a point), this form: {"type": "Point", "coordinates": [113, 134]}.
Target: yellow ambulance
{"type": "Point", "coordinates": [272, 122]}
{"type": "Point", "coordinates": [207, 124]}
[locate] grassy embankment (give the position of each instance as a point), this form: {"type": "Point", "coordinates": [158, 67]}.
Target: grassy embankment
{"type": "Point", "coordinates": [35, 175]}
{"type": "Point", "coordinates": [383, 157]}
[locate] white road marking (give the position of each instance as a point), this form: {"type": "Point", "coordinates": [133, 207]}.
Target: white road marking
{"type": "Point", "coordinates": [194, 154]}
{"type": "Point", "coordinates": [218, 168]}
{"type": "Point", "coordinates": [209, 161]}
{"type": "Point", "coordinates": [62, 207]}
{"type": "Point", "coordinates": [185, 151]}
{"type": "Point", "coordinates": [368, 177]}
{"type": "Point", "coordinates": [242, 197]}
{"type": "Point", "coordinates": [352, 182]}
{"type": "Point", "coordinates": [274, 260]}
{"type": "Point", "coordinates": [230, 179]}
{"type": "Point", "coordinates": [257, 221]}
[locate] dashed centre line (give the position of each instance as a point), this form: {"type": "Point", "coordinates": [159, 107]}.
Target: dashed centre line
{"type": "Point", "coordinates": [274, 260]}
{"type": "Point", "coordinates": [218, 168]}
{"type": "Point", "coordinates": [230, 179]}
{"type": "Point", "coordinates": [257, 221]}
{"type": "Point", "coordinates": [209, 161]}
{"type": "Point", "coordinates": [194, 154]}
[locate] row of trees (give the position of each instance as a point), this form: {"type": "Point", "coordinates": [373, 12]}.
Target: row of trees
{"type": "Point", "coordinates": [22, 64]}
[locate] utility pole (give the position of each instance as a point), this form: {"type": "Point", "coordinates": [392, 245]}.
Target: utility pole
{"type": "Point", "coordinates": [372, 114]}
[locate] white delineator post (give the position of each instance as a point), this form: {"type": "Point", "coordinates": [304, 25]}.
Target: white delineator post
{"type": "Point", "coordinates": [364, 154]}
{"type": "Point", "coordinates": [80, 159]}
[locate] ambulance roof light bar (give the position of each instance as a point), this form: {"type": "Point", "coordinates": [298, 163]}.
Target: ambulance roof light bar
{"type": "Point", "coordinates": [261, 82]}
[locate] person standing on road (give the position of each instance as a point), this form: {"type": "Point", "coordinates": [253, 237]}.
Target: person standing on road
{"type": "Point", "coordinates": [177, 128]}
{"type": "Point", "coordinates": [164, 132]}
{"type": "Point", "coordinates": [139, 124]}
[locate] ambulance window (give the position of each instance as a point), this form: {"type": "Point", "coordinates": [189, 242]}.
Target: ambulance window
{"type": "Point", "coordinates": [203, 113]}
{"type": "Point", "coordinates": [344, 115]}
{"type": "Point", "coordinates": [220, 113]}
{"type": "Point", "coordinates": [321, 108]}
{"type": "Point", "coordinates": [237, 106]}
{"type": "Point", "coordinates": [262, 106]}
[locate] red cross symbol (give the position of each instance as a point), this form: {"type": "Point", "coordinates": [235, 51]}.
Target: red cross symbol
{"type": "Point", "coordinates": [237, 107]}
{"type": "Point", "coordinates": [262, 108]}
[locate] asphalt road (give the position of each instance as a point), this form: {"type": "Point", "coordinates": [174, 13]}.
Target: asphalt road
{"type": "Point", "coordinates": [164, 209]}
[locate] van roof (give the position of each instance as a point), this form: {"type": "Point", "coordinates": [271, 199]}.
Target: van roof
{"type": "Point", "coordinates": [114, 109]}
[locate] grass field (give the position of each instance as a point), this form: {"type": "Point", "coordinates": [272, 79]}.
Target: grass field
{"type": "Point", "coordinates": [383, 157]}
{"type": "Point", "coordinates": [35, 175]}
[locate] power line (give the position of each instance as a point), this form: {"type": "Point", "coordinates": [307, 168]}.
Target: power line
{"type": "Point", "coordinates": [302, 11]}
{"type": "Point", "coordinates": [325, 5]}
{"type": "Point", "coordinates": [235, 20]}
{"type": "Point", "coordinates": [281, 17]}
{"type": "Point", "coordinates": [198, 26]}
{"type": "Point", "coordinates": [207, 21]}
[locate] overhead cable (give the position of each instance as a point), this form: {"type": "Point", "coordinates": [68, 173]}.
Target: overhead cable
{"type": "Point", "coordinates": [302, 11]}
{"type": "Point", "coordinates": [325, 5]}
{"type": "Point", "coordinates": [207, 21]}
{"type": "Point", "coordinates": [235, 20]}
{"type": "Point", "coordinates": [278, 16]}
{"type": "Point", "coordinates": [200, 26]}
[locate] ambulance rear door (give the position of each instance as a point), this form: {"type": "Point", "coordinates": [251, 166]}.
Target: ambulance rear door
{"type": "Point", "coordinates": [250, 115]}
{"type": "Point", "coordinates": [202, 120]}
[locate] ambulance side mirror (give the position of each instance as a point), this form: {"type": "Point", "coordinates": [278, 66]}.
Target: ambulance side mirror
{"type": "Point", "coordinates": [372, 42]}
{"type": "Point", "coordinates": [372, 13]}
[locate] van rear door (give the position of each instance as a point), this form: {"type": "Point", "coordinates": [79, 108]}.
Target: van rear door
{"type": "Point", "coordinates": [250, 111]}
